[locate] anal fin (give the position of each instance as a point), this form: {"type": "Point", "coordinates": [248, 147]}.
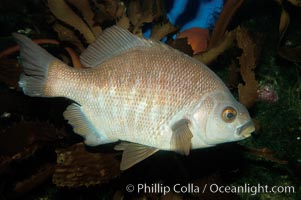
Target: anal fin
{"type": "Point", "coordinates": [181, 137]}
{"type": "Point", "coordinates": [82, 125]}
{"type": "Point", "coordinates": [133, 153]}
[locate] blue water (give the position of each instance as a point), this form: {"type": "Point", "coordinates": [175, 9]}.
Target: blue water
{"type": "Point", "coordinates": [187, 14]}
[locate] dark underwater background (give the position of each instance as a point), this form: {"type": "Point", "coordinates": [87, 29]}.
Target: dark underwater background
{"type": "Point", "coordinates": [253, 45]}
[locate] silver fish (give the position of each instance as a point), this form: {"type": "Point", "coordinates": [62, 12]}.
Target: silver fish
{"type": "Point", "coordinates": [140, 91]}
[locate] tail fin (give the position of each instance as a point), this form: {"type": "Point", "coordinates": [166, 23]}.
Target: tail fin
{"type": "Point", "coordinates": [35, 61]}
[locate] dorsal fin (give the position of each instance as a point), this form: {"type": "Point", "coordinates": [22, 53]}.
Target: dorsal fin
{"type": "Point", "coordinates": [111, 42]}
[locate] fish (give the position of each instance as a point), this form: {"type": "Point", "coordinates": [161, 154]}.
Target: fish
{"type": "Point", "coordinates": [138, 91]}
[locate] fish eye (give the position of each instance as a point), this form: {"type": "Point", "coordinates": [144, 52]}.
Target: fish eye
{"type": "Point", "coordinates": [229, 114]}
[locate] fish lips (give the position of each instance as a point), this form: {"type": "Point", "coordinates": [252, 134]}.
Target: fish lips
{"type": "Point", "coordinates": [245, 130]}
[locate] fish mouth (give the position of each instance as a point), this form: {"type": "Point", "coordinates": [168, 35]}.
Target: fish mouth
{"type": "Point", "coordinates": [246, 130]}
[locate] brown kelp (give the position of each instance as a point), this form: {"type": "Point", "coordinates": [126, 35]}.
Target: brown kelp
{"type": "Point", "coordinates": [292, 54]}
{"type": "Point", "coordinates": [248, 91]}
{"type": "Point", "coordinates": [254, 47]}
{"type": "Point", "coordinates": [227, 13]}
{"type": "Point", "coordinates": [77, 167]}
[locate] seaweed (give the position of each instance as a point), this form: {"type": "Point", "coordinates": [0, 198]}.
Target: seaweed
{"type": "Point", "coordinates": [247, 92]}
{"type": "Point", "coordinates": [197, 39]}
{"type": "Point", "coordinates": [209, 56]}
{"type": "Point", "coordinates": [295, 2]}
{"type": "Point", "coordinates": [221, 25]}
{"type": "Point", "coordinates": [77, 167]}
{"type": "Point", "coordinates": [291, 54]}
{"type": "Point", "coordinates": [63, 12]}
{"type": "Point", "coordinates": [254, 47]}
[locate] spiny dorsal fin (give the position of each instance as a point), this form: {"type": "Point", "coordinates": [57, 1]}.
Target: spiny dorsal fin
{"type": "Point", "coordinates": [82, 126]}
{"type": "Point", "coordinates": [133, 153]}
{"type": "Point", "coordinates": [181, 137]}
{"type": "Point", "coordinates": [111, 42]}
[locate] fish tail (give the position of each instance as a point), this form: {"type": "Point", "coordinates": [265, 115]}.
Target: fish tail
{"type": "Point", "coordinates": [35, 61]}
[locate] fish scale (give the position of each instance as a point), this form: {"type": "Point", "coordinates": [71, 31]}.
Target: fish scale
{"type": "Point", "coordinates": [140, 91]}
{"type": "Point", "coordinates": [165, 88]}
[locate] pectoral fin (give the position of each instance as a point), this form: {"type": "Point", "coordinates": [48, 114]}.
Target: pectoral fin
{"type": "Point", "coordinates": [133, 153]}
{"type": "Point", "coordinates": [181, 137]}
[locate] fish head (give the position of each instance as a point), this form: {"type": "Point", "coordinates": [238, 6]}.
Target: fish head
{"type": "Point", "coordinates": [221, 118]}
